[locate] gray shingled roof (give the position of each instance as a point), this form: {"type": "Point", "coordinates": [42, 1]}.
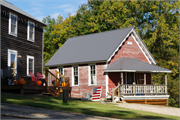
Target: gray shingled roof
{"type": "Point", "coordinates": [134, 65]}
{"type": "Point", "coordinates": [11, 6]}
{"type": "Point", "coordinates": [88, 48]}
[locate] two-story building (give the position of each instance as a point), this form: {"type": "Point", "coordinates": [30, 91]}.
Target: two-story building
{"type": "Point", "coordinates": [21, 39]}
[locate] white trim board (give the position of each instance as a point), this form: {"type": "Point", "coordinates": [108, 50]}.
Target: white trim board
{"type": "Point", "coordinates": [137, 71]}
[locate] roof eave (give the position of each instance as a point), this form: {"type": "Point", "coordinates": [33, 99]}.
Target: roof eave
{"type": "Point", "coordinates": [76, 63]}
{"type": "Point", "coordinates": [153, 71]}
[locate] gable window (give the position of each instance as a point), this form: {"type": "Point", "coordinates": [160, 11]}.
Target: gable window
{"type": "Point", "coordinates": [75, 76]}
{"type": "Point", "coordinates": [31, 31]}
{"type": "Point", "coordinates": [30, 65]}
{"type": "Point", "coordinates": [92, 74]}
{"type": "Point", "coordinates": [13, 24]}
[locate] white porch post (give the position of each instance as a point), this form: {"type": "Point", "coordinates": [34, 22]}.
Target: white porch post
{"type": "Point", "coordinates": [121, 89]}
{"type": "Point", "coordinates": [145, 83]}
{"type": "Point", "coordinates": [166, 83]}
{"type": "Point", "coordinates": [121, 78]}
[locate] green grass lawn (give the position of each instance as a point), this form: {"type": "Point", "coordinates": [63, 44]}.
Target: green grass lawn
{"type": "Point", "coordinates": [79, 106]}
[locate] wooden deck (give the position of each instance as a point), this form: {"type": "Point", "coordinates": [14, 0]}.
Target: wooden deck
{"type": "Point", "coordinates": [24, 88]}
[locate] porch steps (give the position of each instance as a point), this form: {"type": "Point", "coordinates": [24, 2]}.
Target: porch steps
{"type": "Point", "coordinates": [52, 92]}
{"type": "Point", "coordinates": [97, 95]}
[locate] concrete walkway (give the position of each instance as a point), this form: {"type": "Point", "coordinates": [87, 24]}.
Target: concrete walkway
{"type": "Point", "coordinates": [11, 111]}
{"type": "Point", "coordinates": [151, 108]}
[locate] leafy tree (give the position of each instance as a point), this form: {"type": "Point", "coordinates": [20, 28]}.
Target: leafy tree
{"type": "Point", "coordinates": [49, 47]}
{"type": "Point", "coordinates": [157, 22]}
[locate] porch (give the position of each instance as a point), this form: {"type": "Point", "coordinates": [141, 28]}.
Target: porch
{"type": "Point", "coordinates": [135, 83]}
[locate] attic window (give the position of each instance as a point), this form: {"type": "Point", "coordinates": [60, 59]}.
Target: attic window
{"type": "Point", "coordinates": [129, 43]}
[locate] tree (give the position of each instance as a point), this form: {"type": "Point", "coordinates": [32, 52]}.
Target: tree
{"type": "Point", "coordinates": [49, 47]}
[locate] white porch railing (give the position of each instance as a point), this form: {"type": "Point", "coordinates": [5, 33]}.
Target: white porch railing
{"type": "Point", "coordinates": [142, 89]}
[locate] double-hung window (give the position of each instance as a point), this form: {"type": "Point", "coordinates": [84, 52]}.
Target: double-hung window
{"type": "Point", "coordinates": [75, 76]}
{"type": "Point", "coordinates": [92, 74]}
{"type": "Point", "coordinates": [61, 70]}
{"type": "Point", "coordinates": [12, 61]}
{"type": "Point", "coordinates": [30, 65]}
{"type": "Point", "coordinates": [31, 31]}
{"type": "Point", "coordinates": [13, 22]}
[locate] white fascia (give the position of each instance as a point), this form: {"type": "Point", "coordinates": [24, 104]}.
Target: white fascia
{"type": "Point", "coordinates": [140, 44]}
{"type": "Point", "coordinates": [143, 48]}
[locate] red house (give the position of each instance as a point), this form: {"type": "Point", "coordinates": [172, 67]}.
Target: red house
{"type": "Point", "coordinates": [106, 58]}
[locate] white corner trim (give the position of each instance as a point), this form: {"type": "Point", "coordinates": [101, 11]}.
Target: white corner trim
{"type": "Point", "coordinates": [119, 45]}
{"type": "Point", "coordinates": [141, 49]}
{"type": "Point", "coordinates": [107, 88]}
{"type": "Point", "coordinates": [142, 46]}
{"type": "Point", "coordinates": [32, 57]}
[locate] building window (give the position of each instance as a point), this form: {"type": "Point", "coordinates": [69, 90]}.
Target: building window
{"type": "Point", "coordinates": [31, 31]}
{"type": "Point", "coordinates": [12, 61]}
{"type": "Point", "coordinates": [61, 70]}
{"type": "Point", "coordinates": [92, 74]}
{"type": "Point", "coordinates": [75, 75]}
{"type": "Point", "coordinates": [30, 65]}
{"type": "Point", "coordinates": [13, 24]}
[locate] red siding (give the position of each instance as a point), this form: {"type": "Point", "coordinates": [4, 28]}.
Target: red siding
{"type": "Point", "coordinates": [78, 91]}
{"type": "Point", "coordinates": [126, 51]}
{"type": "Point", "coordinates": [129, 51]}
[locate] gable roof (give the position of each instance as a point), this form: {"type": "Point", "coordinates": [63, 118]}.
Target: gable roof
{"type": "Point", "coordinates": [134, 65]}
{"type": "Point", "coordinates": [11, 6]}
{"type": "Point", "coordinates": [97, 47]}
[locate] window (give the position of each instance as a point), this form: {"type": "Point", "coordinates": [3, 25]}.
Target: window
{"type": "Point", "coordinates": [12, 61]}
{"type": "Point", "coordinates": [75, 76]}
{"type": "Point", "coordinates": [13, 24]}
{"type": "Point", "coordinates": [30, 65]}
{"type": "Point", "coordinates": [92, 75]}
{"type": "Point", "coordinates": [61, 70]}
{"type": "Point", "coordinates": [31, 31]}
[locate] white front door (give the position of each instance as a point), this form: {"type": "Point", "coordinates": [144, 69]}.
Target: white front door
{"type": "Point", "coordinates": [12, 61]}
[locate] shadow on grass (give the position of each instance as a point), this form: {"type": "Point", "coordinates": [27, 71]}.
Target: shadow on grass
{"type": "Point", "coordinates": [79, 106]}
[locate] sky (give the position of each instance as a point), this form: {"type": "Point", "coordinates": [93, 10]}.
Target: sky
{"type": "Point", "coordinates": [42, 8]}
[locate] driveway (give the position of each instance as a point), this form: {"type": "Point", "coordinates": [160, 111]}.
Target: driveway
{"type": "Point", "coordinates": [151, 108]}
{"type": "Point", "coordinates": [11, 111]}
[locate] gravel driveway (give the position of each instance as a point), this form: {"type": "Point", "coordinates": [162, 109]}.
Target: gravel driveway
{"type": "Point", "coordinates": [11, 111]}
{"type": "Point", "coordinates": [152, 108]}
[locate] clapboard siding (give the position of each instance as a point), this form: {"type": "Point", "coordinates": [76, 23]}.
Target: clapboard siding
{"type": "Point", "coordinates": [20, 44]}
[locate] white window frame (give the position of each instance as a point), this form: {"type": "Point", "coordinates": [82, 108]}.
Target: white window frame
{"type": "Point", "coordinates": [28, 29]}
{"type": "Point", "coordinates": [89, 75]}
{"type": "Point", "coordinates": [73, 75]}
{"type": "Point", "coordinates": [9, 58]}
{"type": "Point", "coordinates": [14, 34]}
{"type": "Point", "coordinates": [31, 57]}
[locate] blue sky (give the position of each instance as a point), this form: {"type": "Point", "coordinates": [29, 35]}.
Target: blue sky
{"type": "Point", "coordinates": [42, 8]}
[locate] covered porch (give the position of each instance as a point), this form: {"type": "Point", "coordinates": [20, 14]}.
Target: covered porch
{"type": "Point", "coordinates": [134, 84]}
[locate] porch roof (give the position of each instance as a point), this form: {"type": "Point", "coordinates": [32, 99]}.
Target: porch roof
{"type": "Point", "coordinates": [134, 65]}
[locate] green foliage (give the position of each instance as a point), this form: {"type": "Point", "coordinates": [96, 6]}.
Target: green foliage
{"type": "Point", "coordinates": [49, 47]}
{"type": "Point", "coordinates": [157, 22]}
